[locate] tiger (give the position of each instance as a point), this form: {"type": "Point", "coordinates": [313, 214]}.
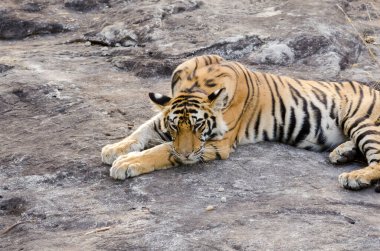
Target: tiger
{"type": "Point", "coordinates": [217, 104]}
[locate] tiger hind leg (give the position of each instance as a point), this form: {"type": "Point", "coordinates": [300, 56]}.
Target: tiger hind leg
{"type": "Point", "coordinates": [367, 138]}
{"type": "Point", "coordinates": [345, 152]}
{"type": "Point", "coordinates": [362, 178]}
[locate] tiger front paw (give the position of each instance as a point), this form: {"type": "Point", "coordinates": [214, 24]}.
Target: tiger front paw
{"type": "Point", "coordinates": [355, 180]}
{"type": "Point", "coordinates": [344, 153]}
{"type": "Point", "coordinates": [112, 151]}
{"type": "Point", "coordinates": [126, 166]}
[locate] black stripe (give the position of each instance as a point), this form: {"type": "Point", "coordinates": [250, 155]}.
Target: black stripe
{"type": "Point", "coordinates": [370, 109]}
{"type": "Point", "coordinates": [353, 86]}
{"type": "Point", "coordinates": [209, 83]}
{"type": "Point", "coordinates": [274, 132]}
{"type": "Point", "coordinates": [272, 96]}
{"type": "Point", "coordinates": [191, 76]}
{"type": "Point", "coordinates": [257, 124]}
{"type": "Point", "coordinates": [322, 99]}
{"type": "Point", "coordinates": [322, 140]}
{"type": "Point", "coordinates": [347, 116]}
{"type": "Point", "coordinates": [364, 134]}
{"type": "Point", "coordinates": [332, 110]}
{"type": "Point", "coordinates": [282, 110]}
{"type": "Point", "coordinates": [274, 129]}
{"type": "Point", "coordinates": [318, 118]}
{"type": "Point", "coordinates": [173, 160]}
{"type": "Point", "coordinates": [295, 93]}
{"type": "Point", "coordinates": [232, 68]}
{"type": "Point", "coordinates": [370, 141]}
{"type": "Point", "coordinates": [337, 88]}
{"type": "Point", "coordinates": [305, 127]}
{"type": "Point", "coordinates": [359, 102]}
{"type": "Point", "coordinates": [371, 148]}
{"type": "Point", "coordinates": [355, 124]}
{"type": "Point", "coordinates": [245, 101]}
{"type": "Point", "coordinates": [251, 82]}
{"type": "Point", "coordinates": [175, 79]}
{"type": "Point", "coordinates": [217, 154]}
{"type": "Point", "coordinates": [163, 136]}
{"type": "Point", "coordinates": [222, 75]}
{"type": "Point", "coordinates": [210, 59]}
{"type": "Point", "coordinates": [265, 135]}
{"type": "Point", "coordinates": [292, 125]}
{"type": "Point", "coordinates": [247, 130]}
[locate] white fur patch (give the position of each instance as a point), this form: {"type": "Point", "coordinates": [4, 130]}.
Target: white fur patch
{"type": "Point", "coordinates": [158, 95]}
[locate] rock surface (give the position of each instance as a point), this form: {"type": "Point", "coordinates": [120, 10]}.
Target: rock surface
{"type": "Point", "coordinates": [64, 95]}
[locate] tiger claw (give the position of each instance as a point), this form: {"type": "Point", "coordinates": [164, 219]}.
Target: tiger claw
{"type": "Point", "coordinates": [123, 167]}
{"type": "Point", "coordinates": [353, 181]}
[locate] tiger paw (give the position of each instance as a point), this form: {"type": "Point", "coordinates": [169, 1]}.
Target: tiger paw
{"type": "Point", "coordinates": [126, 166]}
{"type": "Point", "coordinates": [355, 180]}
{"type": "Point", "coordinates": [344, 153]}
{"type": "Point", "coordinates": [112, 151]}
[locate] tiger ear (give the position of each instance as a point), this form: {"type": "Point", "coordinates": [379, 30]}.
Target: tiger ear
{"type": "Point", "coordinates": [218, 99]}
{"type": "Point", "coordinates": [175, 78]}
{"type": "Point", "coordinates": [159, 100]}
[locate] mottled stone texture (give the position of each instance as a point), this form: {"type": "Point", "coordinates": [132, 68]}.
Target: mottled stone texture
{"type": "Point", "coordinates": [63, 95]}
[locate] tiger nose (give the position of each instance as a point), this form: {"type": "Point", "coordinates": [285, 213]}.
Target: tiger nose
{"type": "Point", "coordinates": [186, 154]}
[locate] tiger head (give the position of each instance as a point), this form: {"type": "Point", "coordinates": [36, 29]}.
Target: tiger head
{"type": "Point", "coordinates": [191, 119]}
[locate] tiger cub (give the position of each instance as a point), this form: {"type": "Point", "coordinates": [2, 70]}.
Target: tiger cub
{"type": "Point", "coordinates": [217, 104]}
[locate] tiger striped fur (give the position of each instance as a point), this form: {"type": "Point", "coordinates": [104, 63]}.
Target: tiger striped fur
{"type": "Point", "coordinates": [218, 104]}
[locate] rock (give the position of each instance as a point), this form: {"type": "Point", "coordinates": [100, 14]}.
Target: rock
{"type": "Point", "coordinates": [51, 135]}
{"type": "Point", "coordinates": [210, 208]}
{"type": "Point", "coordinates": [305, 45]}
{"type": "Point", "coordinates": [230, 48]}
{"type": "Point", "coordinates": [146, 67]}
{"type": "Point", "coordinates": [329, 62]}
{"type": "Point", "coordinates": [14, 28]}
{"type": "Point", "coordinates": [13, 206]}
{"type": "Point", "coordinates": [115, 34]}
{"type": "Point", "coordinates": [273, 53]}
{"type": "Point", "coordinates": [377, 187]}
{"type": "Point", "coordinates": [220, 189]}
{"type": "Point", "coordinates": [33, 7]}
{"type": "Point", "coordinates": [181, 6]}
{"type": "Point", "coordinates": [84, 5]}
{"type": "Point", "coordinates": [4, 67]}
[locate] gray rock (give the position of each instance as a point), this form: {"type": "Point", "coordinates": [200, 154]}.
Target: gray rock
{"type": "Point", "coordinates": [84, 5]}
{"type": "Point", "coordinates": [273, 53]}
{"type": "Point", "coordinates": [114, 34]}
{"type": "Point", "coordinates": [14, 28]}
{"type": "Point", "coordinates": [33, 7]}
{"type": "Point", "coordinates": [63, 101]}
{"type": "Point", "coordinates": [305, 45]}
{"type": "Point", "coordinates": [4, 67]}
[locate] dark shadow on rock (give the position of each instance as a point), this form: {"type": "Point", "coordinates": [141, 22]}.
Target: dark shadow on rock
{"type": "Point", "coordinates": [181, 6]}
{"type": "Point", "coordinates": [45, 98]}
{"type": "Point", "coordinates": [304, 46]}
{"type": "Point", "coordinates": [33, 7]}
{"type": "Point", "coordinates": [230, 49]}
{"type": "Point", "coordinates": [4, 67]}
{"type": "Point", "coordinates": [85, 5]}
{"type": "Point", "coordinates": [14, 28]}
{"type": "Point", "coordinates": [147, 67]}
{"type": "Point", "coordinates": [158, 64]}
{"type": "Point", "coordinates": [13, 206]}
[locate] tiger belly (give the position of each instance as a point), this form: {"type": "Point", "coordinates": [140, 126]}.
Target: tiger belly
{"type": "Point", "coordinates": [331, 133]}
{"type": "Point", "coordinates": [317, 133]}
